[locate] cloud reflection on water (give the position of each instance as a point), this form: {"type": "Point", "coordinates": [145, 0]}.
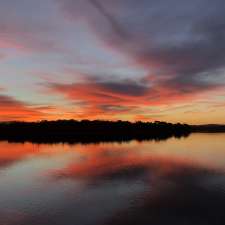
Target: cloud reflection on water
{"type": "Point", "coordinates": [172, 182]}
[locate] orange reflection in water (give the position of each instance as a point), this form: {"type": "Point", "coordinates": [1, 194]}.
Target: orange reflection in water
{"type": "Point", "coordinates": [105, 161]}
{"type": "Point", "coordinates": [11, 153]}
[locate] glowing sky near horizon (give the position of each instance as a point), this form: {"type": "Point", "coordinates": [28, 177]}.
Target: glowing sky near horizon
{"type": "Point", "coordinates": [112, 59]}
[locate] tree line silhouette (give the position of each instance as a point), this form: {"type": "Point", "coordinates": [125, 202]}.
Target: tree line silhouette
{"type": "Point", "coordinates": [85, 131]}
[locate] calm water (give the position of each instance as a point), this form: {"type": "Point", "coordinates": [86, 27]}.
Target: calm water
{"type": "Point", "coordinates": [177, 182]}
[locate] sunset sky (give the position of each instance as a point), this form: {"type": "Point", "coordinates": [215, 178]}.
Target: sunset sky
{"type": "Point", "coordinates": [113, 59]}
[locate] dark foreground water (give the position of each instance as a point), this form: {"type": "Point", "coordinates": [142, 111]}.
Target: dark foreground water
{"type": "Point", "coordinates": [177, 182]}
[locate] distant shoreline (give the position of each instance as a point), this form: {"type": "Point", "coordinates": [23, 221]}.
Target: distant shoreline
{"type": "Point", "coordinates": [208, 128]}
{"type": "Point", "coordinates": [85, 131]}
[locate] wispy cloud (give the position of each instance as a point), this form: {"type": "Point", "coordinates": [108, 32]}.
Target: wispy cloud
{"type": "Point", "coordinates": [176, 40]}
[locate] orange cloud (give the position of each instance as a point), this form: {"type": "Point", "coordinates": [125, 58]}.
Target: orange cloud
{"type": "Point", "coordinates": [99, 99]}
{"type": "Point", "coordinates": [12, 109]}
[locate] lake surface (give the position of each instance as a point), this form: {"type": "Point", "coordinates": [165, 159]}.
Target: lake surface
{"type": "Point", "coordinates": [177, 182]}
